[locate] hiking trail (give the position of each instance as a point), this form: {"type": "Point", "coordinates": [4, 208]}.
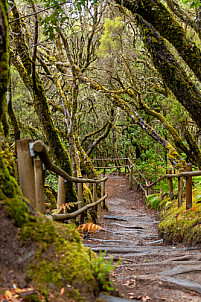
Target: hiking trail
{"type": "Point", "coordinates": [149, 270]}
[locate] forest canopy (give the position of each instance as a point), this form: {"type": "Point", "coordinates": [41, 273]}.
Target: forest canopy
{"type": "Point", "coordinates": [85, 74]}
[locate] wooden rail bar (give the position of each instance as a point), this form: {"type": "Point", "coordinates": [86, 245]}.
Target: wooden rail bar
{"type": "Point", "coordinates": [109, 167]}
{"type": "Point", "coordinates": [60, 217]}
{"type": "Point", "coordinates": [112, 159]}
{"type": "Point", "coordinates": [143, 189]}
{"type": "Point", "coordinates": [181, 174]}
{"type": "Point", "coordinates": [140, 173]}
{"type": "Point", "coordinates": [40, 149]}
{"type": "Point", "coordinates": [31, 176]}
{"type": "Point", "coordinates": [188, 174]}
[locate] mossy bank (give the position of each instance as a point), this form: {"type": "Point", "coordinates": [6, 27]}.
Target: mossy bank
{"type": "Point", "coordinates": [178, 225]}
{"type": "Point", "coordinates": [60, 261]}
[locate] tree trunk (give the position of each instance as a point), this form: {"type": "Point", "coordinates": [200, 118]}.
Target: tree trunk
{"type": "Point", "coordinates": [156, 13]}
{"type": "Point", "coordinates": [41, 105]}
{"type": "Point", "coordinates": [4, 57]}
{"type": "Point", "coordinates": [173, 74]}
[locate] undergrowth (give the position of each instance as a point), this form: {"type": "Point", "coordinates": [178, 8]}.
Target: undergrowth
{"type": "Point", "coordinates": [178, 224]}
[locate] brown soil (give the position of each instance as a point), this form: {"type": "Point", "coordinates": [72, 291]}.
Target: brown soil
{"type": "Point", "coordinates": [150, 270]}
{"type": "Point", "coordinates": [14, 255]}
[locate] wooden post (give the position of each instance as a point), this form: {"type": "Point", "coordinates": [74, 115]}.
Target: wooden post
{"type": "Point", "coordinates": [148, 188]}
{"type": "Point", "coordinates": [104, 170]}
{"type": "Point", "coordinates": [180, 189]}
{"type": "Point", "coordinates": [131, 178]}
{"type": "Point", "coordinates": [81, 204]}
{"type": "Point", "coordinates": [188, 188]}
{"type": "Point", "coordinates": [161, 190]}
{"type": "Point", "coordinates": [95, 194]}
{"type": "Point", "coordinates": [26, 170]}
{"type": "Point", "coordinates": [170, 185]}
{"type": "Point", "coordinates": [39, 186]}
{"type": "Point", "coordinates": [125, 163]}
{"type": "Point", "coordinates": [103, 193]}
{"type": "Point", "coordinates": [61, 192]}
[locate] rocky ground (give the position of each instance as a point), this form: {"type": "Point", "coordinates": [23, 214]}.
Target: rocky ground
{"type": "Point", "coordinates": [149, 270]}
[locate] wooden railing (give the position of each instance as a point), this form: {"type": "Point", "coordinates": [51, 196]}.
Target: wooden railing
{"type": "Point", "coordinates": [119, 163]}
{"type": "Point", "coordinates": [31, 179]}
{"type": "Point", "coordinates": [181, 175]}
{"type": "Point", "coordinates": [146, 185]}
{"type": "Point", "coordinates": [111, 163]}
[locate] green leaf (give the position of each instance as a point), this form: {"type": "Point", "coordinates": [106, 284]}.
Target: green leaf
{"type": "Point", "coordinates": [155, 202]}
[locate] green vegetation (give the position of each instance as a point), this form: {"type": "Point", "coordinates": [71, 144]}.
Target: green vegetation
{"type": "Point", "coordinates": [60, 259]}
{"type": "Point", "coordinates": [178, 224]}
{"type": "Point", "coordinates": [153, 200]}
{"type": "Point", "coordinates": [102, 269]}
{"type": "Point", "coordinates": [98, 81]}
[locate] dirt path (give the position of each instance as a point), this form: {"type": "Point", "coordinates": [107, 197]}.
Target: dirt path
{"type": "Point", "coordinates": [149, 271]}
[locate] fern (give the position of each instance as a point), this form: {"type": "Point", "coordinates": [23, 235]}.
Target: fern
{"type": "Point", "coordinates": [101, 270]}
{"type": "Point", "coordinates": [89, 227]}
{"type": "Point", "coordinates": [154, 201]}
{"type": "Point", "coordinates": [68, 205]}
{"type": "Point", "coordinates": [185, 211]}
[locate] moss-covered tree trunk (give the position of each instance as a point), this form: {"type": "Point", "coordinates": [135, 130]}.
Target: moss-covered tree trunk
{"type": "Point", "coordinates": [4, 57]}
{"type": "Point", "coordinates": [103, 135]}
{"type": "Point", "coordinates": [41, 105]}
{"type": "Point", "coordinates": [173, 74]}
{"type": "Point", "coordinates": [173, 155]}
{"type": "Point", "coordinates": [155, 21]}
{"type": "Point", "coordinates": [157, 14]}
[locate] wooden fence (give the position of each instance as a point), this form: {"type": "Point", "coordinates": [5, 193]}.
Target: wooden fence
{"type": "Point", "coordinates": [31, 179]}
{"type": "Point", "coordinates": [146, 185]}
{"type": "Point", "coordinates": [119, 163]}
{"type": "Point", "coordinates": [111, 163]}
{"type": "Point", "coordinates": [181, 176]}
